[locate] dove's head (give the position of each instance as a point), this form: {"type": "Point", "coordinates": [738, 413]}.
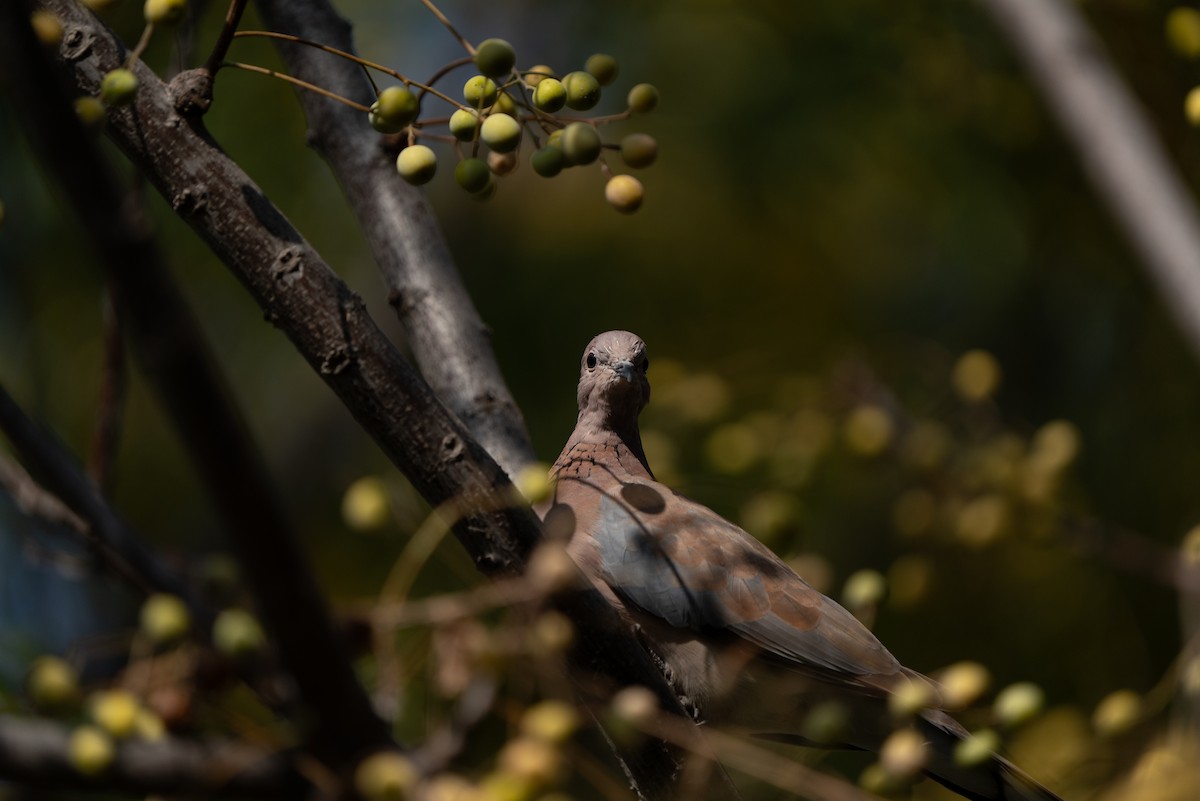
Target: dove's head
{"type": "Point", "coordinates": [612, 379]}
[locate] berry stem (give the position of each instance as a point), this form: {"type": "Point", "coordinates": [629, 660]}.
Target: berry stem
{"type": "Point", "coordinates": [140, 48]}
{"type": "Point", "coordinates": [449, 26]}
{"type": "Point", "coordinates": [287, 37]}
{"type": "Point", "coordinates": [297, 82]}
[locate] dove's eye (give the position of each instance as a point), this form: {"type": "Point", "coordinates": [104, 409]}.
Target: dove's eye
{"type": "Point", "coordinates": [591, 361]}
{"type": "Point", "coordinates": [645, 364]}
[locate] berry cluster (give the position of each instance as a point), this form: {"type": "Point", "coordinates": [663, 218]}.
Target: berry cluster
{"type": "Point", "coordinates": [501, 105]}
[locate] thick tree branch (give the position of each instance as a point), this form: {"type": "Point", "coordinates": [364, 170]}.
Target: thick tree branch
{"type": "Point", "coordinates": [171, 350]}
{"type": "Point", "coordinates": [1120, 151]}
{"type": "Point", "coordinates": [36, 752]}
{"type": "Point", "coordinates": [451, 344]}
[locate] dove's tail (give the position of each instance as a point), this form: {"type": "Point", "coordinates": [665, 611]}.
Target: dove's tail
{"type": "Point", "coordinates": [996, 779]}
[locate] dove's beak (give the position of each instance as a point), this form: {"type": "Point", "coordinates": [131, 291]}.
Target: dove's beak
{"type": "Point", "coordinates": [623, 369]}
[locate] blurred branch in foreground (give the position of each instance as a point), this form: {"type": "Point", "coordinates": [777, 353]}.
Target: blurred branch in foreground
{"type": "Point", "coordinates": [1120, 151]}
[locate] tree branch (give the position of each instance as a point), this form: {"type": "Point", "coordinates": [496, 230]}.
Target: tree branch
{"type": "Point", "coordinates": [174, 356]}
{"type": "Point", "coordinates": [451, 344]}
{"type": "Point", "coordinates": [1121, 154]}
{"type": "Point", "coordinates": [37, 752]}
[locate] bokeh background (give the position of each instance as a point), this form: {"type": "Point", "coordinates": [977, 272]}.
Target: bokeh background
{"type": "Point", "coordinates": [849, 197]}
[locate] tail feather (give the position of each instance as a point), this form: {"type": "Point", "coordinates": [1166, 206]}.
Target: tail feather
{"type": "Point", "coordinates": [994, 780]}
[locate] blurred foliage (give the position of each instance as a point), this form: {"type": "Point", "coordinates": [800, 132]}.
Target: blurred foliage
{"type": "Point", "coordinates": [892, 329]}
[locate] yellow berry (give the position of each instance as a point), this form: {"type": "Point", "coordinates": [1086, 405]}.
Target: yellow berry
{"type": "Point", "coordinates": [365, 504]}
{"type": "Point", "coordinates": [1018, 703]}
{"type": "Point", "coordinates": [118, 87]}
{"type": "Point", "coordinates": [91, 751]}
{"type": "Point", "coordinates": [864, 588]}
{"type": "Point", "coordinates": [47, 27]}
{"type": "Point", "coordinates": [385, 776]}
{"type": "Point", "coordinates": [904, 753]}
{"type": "Point", "coordinates": [1117, 713]}
{"type": "Point", "coordinates": [963, 683]}
{"type": "Point", "coordinates": [164, 12]}
{"type": "Point", "coordinates": [417, 164]}
{"type": "Point", "coordinates": [52, 684]}
{"type": "Point", "coordinates": [976, 376]}
{"type": "Point", "coordinates": [977, 748]}
{"type": "Point", "coordinates": [236, 633]}
{"type": "Point", "coordinates": [552, 721]}
{"type": "Point", "coordinates": [165, 619]}
{"type": "Point", "coordinates": [115, 711]}
{"type": "Point", "coordinates": [624, 193]}
{"type": "Point", "coordinates": [868, 430]}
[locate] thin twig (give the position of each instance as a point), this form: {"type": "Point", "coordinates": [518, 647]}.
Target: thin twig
{"type": "Point", "coordinates": [110, 404]}
{"type": "Point", "coordinates": [449, 26]}
{"type": "Point", "coordinates": [283, 76]}
{"type": "Point", "coordinates": [233, 18]}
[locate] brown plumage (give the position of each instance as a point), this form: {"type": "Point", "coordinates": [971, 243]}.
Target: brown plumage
{"type": "Point", "coordinates": [746, 640]}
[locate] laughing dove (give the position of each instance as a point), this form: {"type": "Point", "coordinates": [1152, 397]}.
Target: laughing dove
{"type": "Point", "coordinates": [743, 638]}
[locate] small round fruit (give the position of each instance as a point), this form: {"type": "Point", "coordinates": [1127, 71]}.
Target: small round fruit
{"type": "Point", "coordinates": [624, 193]}
{"type": "Point", "coordinates": [417, 164]}
{"type": "Point", "coordinates": [480, 91]}
{"type": "Point", "coordinates": [385, 776]}
{"type": "Point", "coordinates": [495, 58]}
{"type": "Point", "coordinates": [549, 95]}
{"type": "Point", "coordinates": [977, 748]}
{"type": "Point", "coordinates": [395, 108]}
{"type": "Point", "coordinates": [602, 67]}
{"type": "Point", "coordinates": [118, 87]}
{"type": "Point", "coordinates": [583, 90]}
{"type": "Point", "coordinates": [549, 161]}
{"type": "Point", "coordinates": [164, 12]}
{"type": "Point", "coordinates": [52, 684]}
{"type": "Point", "coordinates": [581, 143]}
{"type": "Point", "coordinates": [643, 98]}
{"type": "Point", "coordinates": [89, 110]}
{"type": "Point", "coordinates": [47, 27]}
{"type": "Point", "coordinates": [235, 632]}
{"type": "Point", "coordinates": [365, 504]}
{"type": "Point", "coordinates": [500, 132]}
{"type": "Point", "coordinates": [472, 174]}
{"type": "Point", "coordinates": [487, 193]}
{"type": "Point", "coordinates": [115, 711]}
{"type": "Point", "coordinates": [555, 137]}
{"type": "Point", "coordinates": [1018, 703]}
{"type": "Point", "coordinates": [501, 163]}
{"type": "Point", "coordinates": [504, 105]}
{"type": "Point", "coordinates": [90, 750]}
{"type": "Point", "coordinates": [463, 124]}
{"type": "Point", "coordinates": [536, 75]}
{"type": "Point", "coordinates": [639, 150]}
{"type": "Point", "coordinates": [165, 619]}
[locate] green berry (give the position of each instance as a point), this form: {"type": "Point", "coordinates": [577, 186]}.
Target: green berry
{"type": "Point", "coordinates": [118, 87]}
{"type": "Point", "coordinates": [89, 110]}
{"type": "Point", "coordinates": [555, 138]}
{"type": "Point", "coordinates": [480, 91]}
{"type": "Point", "coordinates": [385, 776]}
{"type": "Point", "coordinates": [639, 150]}
{"type": "Point", "coordinates": [500, 132]}
{"type": "Point", "coordinates": [90, 750]}
{"type": "Point", "coordinates": [504, 105]}
{"type": "Point", "coordinates": [1018, 703]}
{"type": "Point", "coordinates": [495, 57]}
{"type": "Point", "coordinates": [583, 90]}
{"type": "Point", "coordinates": [602, 67]}
{"type": "Point", "coordinates": [501, 163]}
{"type": "Point", "coordinates": [977, 748]}
{"type": "Point", "coordinates": [536, 75]}
{"type": "Point", "coordinates": [624, 193]}
{"type": "Point", "coordinates": [395, 109]}
{"type": "Point", "coordinates": [52, 685]}
{"type": "Point", "coordinates": [165, 619]}
{"type": "Point", "coordinates": [236, 633]}
{"type": "Point", "coordinates": [643, 98]}
{"type": "Point", "coordinates": [416, 164]}
{"type": "Point", "coordinates": [549, 161]}
{"type": "Point", "coordinates": [581, 143]}
{"type": "Point", "coordinates": [487, 193]}
{"type": "Point", "coordinates": [164, 12]}
{"type": "Point", "coordinates": [549, 95]}
{"type": "Point", "coordinates": [472, 174]}
{"type": "Point", "coordinates": [463, 124]}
